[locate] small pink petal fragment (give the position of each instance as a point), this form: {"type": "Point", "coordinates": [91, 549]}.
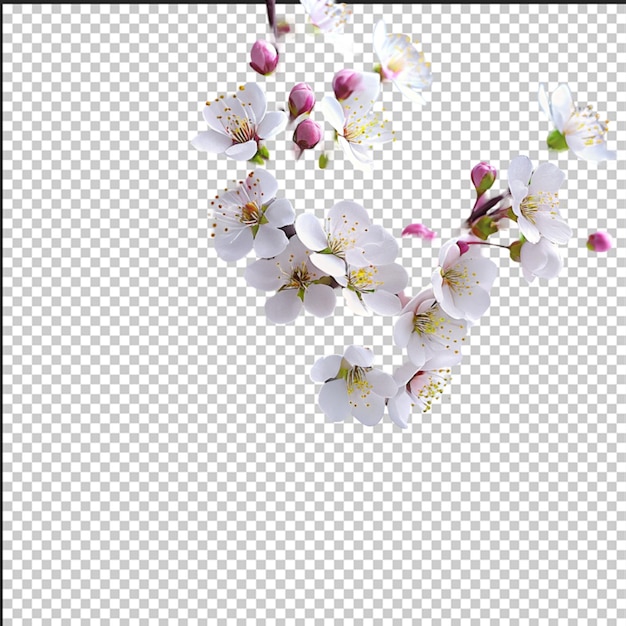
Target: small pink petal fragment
{"type": "Point", "coordinates": [599, 242]}
{"type": "Point", "coordinates": [463, 246]}
{"type": "Point", "coordinates": [418, 230]}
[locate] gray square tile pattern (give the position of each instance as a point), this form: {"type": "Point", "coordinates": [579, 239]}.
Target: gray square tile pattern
{"type": "Point", "coordinates": [165, 461]}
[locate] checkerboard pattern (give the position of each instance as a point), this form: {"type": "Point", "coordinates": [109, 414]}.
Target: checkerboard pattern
{"type": "Point", "coordinates": [165, 459]}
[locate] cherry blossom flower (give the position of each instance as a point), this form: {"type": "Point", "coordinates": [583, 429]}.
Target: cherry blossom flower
{"type": "Point", "coordinates": [296, 281]}
{"type": "Point", "coordinates": [264, 57]}
{"type": "Point", "coordinates": [577, 127]}
{"type": "Point", "coordinates": [374, 289]}
{"type": "Point", "coordinates": [426, 330]}
{"type": "Point", "coordinates": [327, 16]}
{"type": "Point", "coordinates": [535, 200]}
{"type": "Point", "coordinates": [251, 216]}
{"type": "Point", "coordinates": [401, 63]}
{"type": "Point", "coordinates": [349, 237]}
{"type": "Point", "coordinates": [358, 128]}
{"type": "Point", "coordinates": [463, 280]}
{"type": "Point", "coordinates": [352, 386]}
{"type": "Point", "coordinates": [301, 100]}
{"type": "Point", "coordinates": [540, 260]}
{"type": "Point", "coordinates": [417, 387]}
{"type": "Point", "coordinates": [238, 123]}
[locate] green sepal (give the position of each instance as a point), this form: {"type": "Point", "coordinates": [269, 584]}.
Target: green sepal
{"type": "Point", "coordinates": [323, 161]}
{"type": "Point", "coordinates": [301, 293]}
{"type": "Point", "coordinates": [514, 250]}
{"type": "Point", "coordinates": [264, 152]}
{"type": "Point", "coordinates": [254, 229]}
{"type": "Point", "coordinates": [257, 158]}
{"type": "Point", "coordinates": [511, 215]}
{"type": "Point", "coordinates": [556, 141]}
{"type": "Point", "coordinates": [484, 227]}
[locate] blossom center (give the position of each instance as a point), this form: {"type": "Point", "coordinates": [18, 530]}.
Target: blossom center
{"type": "Point", "coordinates": [357, 382]}
{"type": "Point", "coordinates": [457, 278]}
{"type": "Point", "coordinates": [426, 323]}
{"type": "Point", "coordinates": [542, 200]}
{"type": "Point", "coordinates": [363, 279]}
{"type": "Point", "coordinates": [586, 123]}
{"type": "Point", "coordinates": [240, 129]}
{"type": "Point", "coordinates": [429, 386]}
{"type": "Point", "coordinates": [299, 277]}
{"type": "Point", "coordinates": [250, 214]}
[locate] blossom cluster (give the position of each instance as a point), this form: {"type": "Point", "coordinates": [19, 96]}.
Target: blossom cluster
{"type": "Point", "coordinates": [303, 263]}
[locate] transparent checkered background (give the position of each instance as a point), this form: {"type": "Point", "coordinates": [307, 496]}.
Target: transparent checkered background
{"type": "Point", "coordinates": [165, 459]}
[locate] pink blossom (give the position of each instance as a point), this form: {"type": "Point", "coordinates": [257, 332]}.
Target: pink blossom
{"type": "Point", "coordinates": [419, 230]}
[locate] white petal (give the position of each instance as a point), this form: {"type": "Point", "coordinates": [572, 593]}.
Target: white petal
{"type": "Point", "coordinates": [445, 298]}
{"type": "Point", "coordinates": [544, 101]}
{"type": "Point", "coordinates": [399, 408]}
{"type": "Point", "coordinates": [417, 351]}
{"type": "Point", "coordinates": [553, 227]}
{"type": "Point", "coordinates": [416, 303]}
{"type": "Point", "coordinates": [382, 384]}
{"type": "Point", "coordinates": [471, 307]}
{"type": "Point", "coordinates": [333, 400]}
{"type": "Point", "coordinates": [234, 249]}
{"type": "Point", "coordinates": [345, 216]}
{"type": "Point", "coordinates": [369, 411]}
{"type": "Point", "coordinates": [253, 100]}
{"type": "Point", "coordinates": [224, 113]}
{"type": "Point", "coordinates": [360, 161]}
{"type": "Point", "coordinates": [520, 168]}
{"type": "Point", "coordinates": [333, 113]}
{"type": "Point", "coordinates": [320, 300]}
{"type": "Point", "coordinates": [211, 141]}
{"type": "Point", "coordinates": [528, 229]}
{"type": "Point", "coordinates": [355, 304]}
{"type": "Point", "coordinates": [518, 192]}
{"type": "Point", "coordinates": [561, 106]}
{"type": "Point", "coordinates": [394, 278]}
{"type": "Point", "coordinates": [409, 92]}
{"type": "Point", "coordinates": [358, 355]}
{"type": "Point", "coordinates": [329, 264]}
{"type": "Point", "coordinates": [437, 284]}
{"type": "Point", "coordinates": [552, 267]}
{"type": "Point", "coordinates": [404, 373]}
{"type": "Point", "coordinates": [283, 307]}
{"type": "Point", "coordinates": [383, 253]}
{"type": "Point", "coordinates": [449, 254]}
{"type": "Point", "coordinates": [382, 302]}
{"type": "Point", "coordinates": [272, 124]}
{"type": "Point", "coordinates": [261, 186]}
{"type": "Point", "coordinates": [242, 151]}
{"type": "Point", "coordinates": [482, 272]}
{"type": "Point", "coordinates": [310, 232]}
{"type": "Point", "coordinates": [403, 329]}
{"type": "Point", "coordinates": [265, 275]}
{"type": "Point", "coordinates": [326, 368]}
{"type": "Point", "coordinates": [269, 241]}
{"type": "Point", "coordinates": [598, 152]}
{"type": "Point", "coordinates": [547, 177]}
{"type": "Point", "coordinates": [280, 213]}
{"type": "Point", "coordinates": [380, 34]}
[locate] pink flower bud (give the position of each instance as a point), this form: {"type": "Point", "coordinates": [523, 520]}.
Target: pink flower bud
{"type": "Point", "coordinates": [599, 242]}
{"type": "Point", "coordinates": [419, 230]}
{"type": "Point", "coordinates": [344, 83]}
{"type": "Point", "coordinates": [483, 177]}
{"type": "Point", "coordinates": [307, 134]}
{"type": "Point", "coordinates": [301, 100]}
{"type": "Point", "coordinates": [264, 57]}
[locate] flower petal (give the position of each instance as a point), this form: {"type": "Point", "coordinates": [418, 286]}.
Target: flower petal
{"type": "Point", "coordinates": [272, 124]}
{"type": "Point", "coordinates": [598, 152]}
{"type": "Point", "coordinates": [382, 384]}
{"type": "Point", "coordinates": [518, 191]}
{"type": "Point", "coordinates": [528, 229]}
{"type": "Point", "coordinates": [329, 264]}
{"type": "Point", "coordinates": [234, 249]}
{"type": "Point", "coordinates": [242, 151]}
{"type": "Point", "coordinates": [224, 114]}
{"type": "Point", "coordinates": [553, 227]}
{"type": "Point", "coordinates": [417, 351]}
{"type": "Point", "coordinates": [471, 307]}
{"type": "Point", "coordinates": [280, 213]}
{"type": "Point", "coordinates": [252, 98]}
{"type": "Point", "coordinates": [333, 113]}
{"type": "Point", "coordinates": [403, 329]}
{"type": "Point", "coordinates": [333, 400]}
{"type": "Point", "coordinates": [358, 158]}
{"type": "Point", "coordinates": [345, 216]}
{"type": "Point", "coordinates": [399, 408]}
{"type": "Point", "coordinates": [264, 275]}
{"type": "Point", "coordinates": [382, 302]}
{"type": "Point", "coordinates": [380, 34]}
{"type": "Point", "coordinates": [261, 186]}
{"type": "Point", "coordinates": [404, 373]}
{"type": "Point", "coordinates": [283, 307]}
{"type": "Point", "coordinates": [381, 253]}
{"type": "Point", "coordinates": [310, 232]}
{"type": "Point", "coordinates": [326, 368]}
{"type": "Point", "coordinates": [561, 106]}
{"type": "Point", "coordinates": [520, 168]}
{"type": "Point", "coordinates": [409, 91]}
{"type": "Point", "coordinates": [394, 278]}
{"type": "Point", "coordinates": [547, 177]}
{"type": "Point", "coordinates": [211, 141]}
{"type": "Point", "coordinates": [364, 96]}
{"type": "Point", "coordinates": [544, 101]}
{"type": "Point", "coordinates": [355, 304]}
{"type": "Point", "coordinates": [320, 300]}
{"type": "Point", "coordinates": [358, 355]}
{"type": "Point", "coordinates": [369, 411]}
{"type": "Point", "coordinates": [269, 241]}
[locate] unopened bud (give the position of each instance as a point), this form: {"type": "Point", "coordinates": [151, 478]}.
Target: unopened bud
{"type": "Point", "coordinates": [301, 100]}
{"type": "Point", "coordinates": [515, 249]}
{"type": "Point", "coordinates": [263, 57]}
{"type": "Point", "coordinates": [599, 242]}
{"type": "Point", "coordinates": [307, 134]}
{"type": "Point", "coordinates": [483, 177]}
{"type": "Point", "coordinates": [323, 161]}
{"type": "Point", "coordinates": [344, 83]}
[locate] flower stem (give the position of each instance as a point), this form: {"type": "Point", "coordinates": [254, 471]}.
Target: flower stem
{"type": "Point", "coordinates": [483, 206]}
